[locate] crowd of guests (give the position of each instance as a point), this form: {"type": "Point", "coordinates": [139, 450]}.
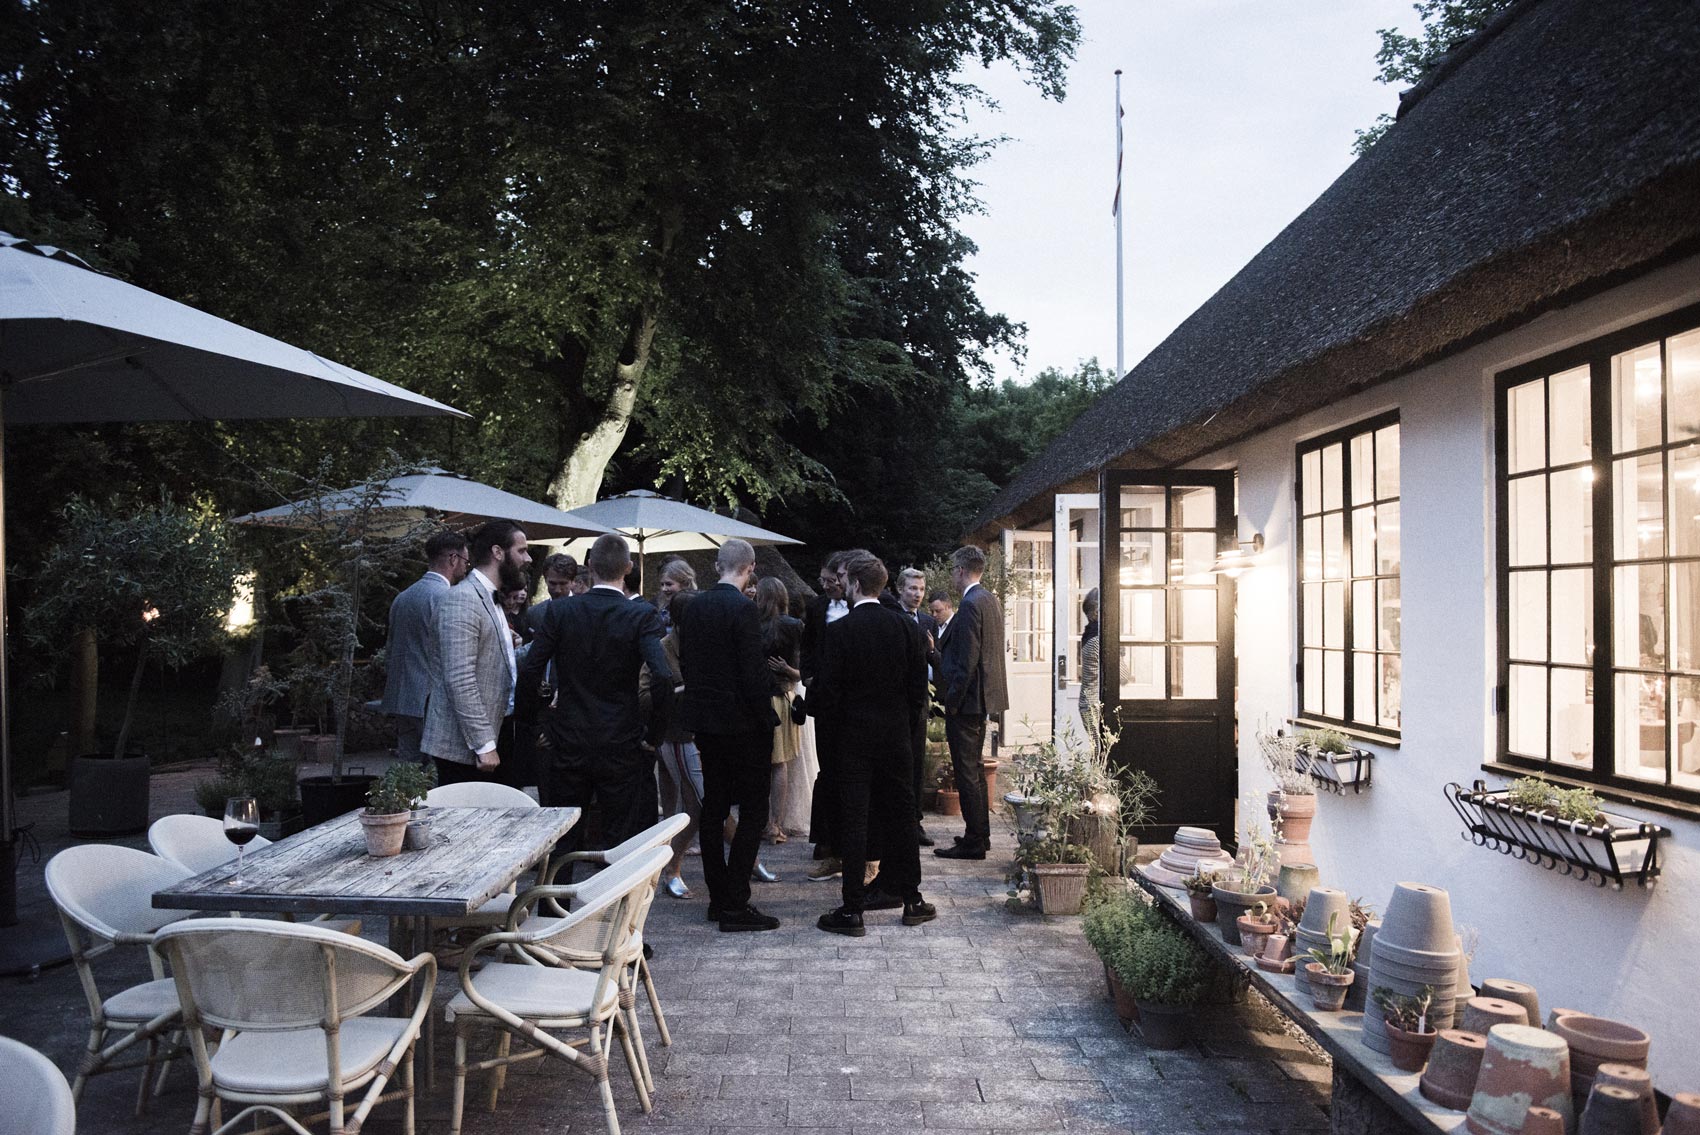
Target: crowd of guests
{"type": "Point", "coordinates": [715, 702]}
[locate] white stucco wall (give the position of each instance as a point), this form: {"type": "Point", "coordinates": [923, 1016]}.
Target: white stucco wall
{"type": "Point", "coordinates": [1632, 955]}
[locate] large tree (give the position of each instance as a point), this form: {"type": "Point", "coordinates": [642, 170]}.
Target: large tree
{"type": "Point", "coordinates": [723, 219]}
{"type": "Point", "coordinates": [1406, 59]}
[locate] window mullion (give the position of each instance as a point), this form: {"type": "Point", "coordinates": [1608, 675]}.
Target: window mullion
{"type": "Point", "coordinates": [1605, 549]}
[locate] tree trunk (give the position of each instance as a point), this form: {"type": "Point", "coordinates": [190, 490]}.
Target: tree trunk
{"type": "Point", "coordinates": [85, 686]}
{"type": "Point", "coordinates": [130, 702]}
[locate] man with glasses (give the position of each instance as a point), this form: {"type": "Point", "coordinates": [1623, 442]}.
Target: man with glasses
{"type": "Point", "coordinates": [407, 681]}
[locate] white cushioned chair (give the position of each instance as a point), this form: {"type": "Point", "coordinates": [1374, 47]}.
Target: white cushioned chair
{"type": "Point", "coordinates": [295, 1000]}
{"type": "Point", "coordinates": [34, 1097]}
{"type": "Point", "coordinates": [480, 794]}
{"type": "Point", "coordinates": [197, 843]}
{"type": "Point", "coordinates": [104, 895]}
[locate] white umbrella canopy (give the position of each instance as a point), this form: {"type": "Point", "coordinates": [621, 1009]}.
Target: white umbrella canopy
{"type": "Point", "coordinates": [80, 346]}
{"type": "Point", "coordinates": [661, 524]}
{"type": "Point", "coordinates": [454, 499]}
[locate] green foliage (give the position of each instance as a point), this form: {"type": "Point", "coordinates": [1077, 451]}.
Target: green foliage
{"type": "Point", "coordinates": [1579, 804]}
{"type": "Point", "coordinates": [1115, 924]}
{"type": "Point", "coordinates": [1167, 968]}
{"type": "Point", "coordinates": [1531, 792]}
{"type": "Point", "coordinates": [1327, 741]}
{"type": "Point", "coordinates": [402, 788]}
{"type": "Point", "coordinates": [1201, 885]}
{"type": "Point", "coordinates": [1403, 1011]}
{"type": "Point", "coordinates": [1407, 59]}
{"type": "Point", "coordinates": [1337, 958]}
{"type": "Point", "coordinates": [211, 794]}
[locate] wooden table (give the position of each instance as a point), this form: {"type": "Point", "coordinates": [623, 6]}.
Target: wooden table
{"type": "Point", "coordinates": [1372, 1095]}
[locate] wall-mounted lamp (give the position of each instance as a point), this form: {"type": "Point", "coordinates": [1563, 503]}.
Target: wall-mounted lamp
{"type": "Point", "coordinates": [1233, 562]}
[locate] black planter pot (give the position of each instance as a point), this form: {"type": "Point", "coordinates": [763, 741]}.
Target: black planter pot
{"type": "Point", "coordinates": [1164, 1026]}
{"type": "Point", "coordinates": [325, 797]}
{"type": "Point", "coordinates": [108, 797]}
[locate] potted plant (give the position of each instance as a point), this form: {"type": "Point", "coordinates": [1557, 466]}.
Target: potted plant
{"type": "Point", "coordinates": [1058, 868]}
{"type": "Point", "coordinates": [1409, 1032]}
{"type": "Point", "coordinates": [1200, 896]}
{"type": "Point", "coordinates": [1239, 890]}
{"type": "Point", "coordinates": [1167, 975]}
{"type": "Point", "coordinates": [1113, 926]}
{"type": "Point", "coordinates": [1255, 926]}
{"type": "Point", "coordinates": [270, 780]}
{"type": "Point", "coordinates": [211, 794]}
{"type": "Point", "coordinates": [1292, 802]}
{"type": "Point", "coordinates": [419, 780]}
{"type": "Point", "coordinates": [1330, 970]}
{"type": "Point", "coordinates": [389, 809]}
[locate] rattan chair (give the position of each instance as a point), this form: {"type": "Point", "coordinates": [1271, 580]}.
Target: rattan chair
{"type": "Point", "coordinates": [34, 1097]}
{"type": "Point", "coordinates": [559, 991]}
{"type": "Point", "coordinates": [295, 1001]}
{"type": "Point", "coordinates": [197, 844]}
{"type": "Point", "coordinates": [480, 794]}
{"type": "Point", "coordinates": [104, 898]}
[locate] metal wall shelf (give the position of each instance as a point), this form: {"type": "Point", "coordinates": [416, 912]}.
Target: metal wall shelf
{"type": "Point", "coordinates": [1337, 772]}
{"type": "Point", "coordinates": [1605, 854]}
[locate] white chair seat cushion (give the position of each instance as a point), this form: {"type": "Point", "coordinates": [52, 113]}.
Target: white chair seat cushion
{"type": "Point", "coordinates": [286, 1063]}
{"type": "Point", "coordinates": [143, 1002]}
{"type": "Point", "coordinates": [535, 992]}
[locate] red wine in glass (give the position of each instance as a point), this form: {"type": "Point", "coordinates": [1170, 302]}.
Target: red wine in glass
{"type": "Point", "coordinates": [241, 825]}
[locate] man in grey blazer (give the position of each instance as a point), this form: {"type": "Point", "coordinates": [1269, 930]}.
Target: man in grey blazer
{"type": "Point", "coordinates": [972, 685]}
{"type": "Point", "coordinates": [473, 668]}
{"type": "Point", "coordinates": [407, 676]}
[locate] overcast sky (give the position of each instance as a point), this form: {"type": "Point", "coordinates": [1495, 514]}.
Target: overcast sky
{"type": "Point", "coordinates": [1238, 114]}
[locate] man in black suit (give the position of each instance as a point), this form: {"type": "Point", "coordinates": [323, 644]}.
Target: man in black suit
{"type": "Point", "coordinates": [911, 589]}
{"type": "Point", "coordinates": [872, 687]}
{"type": "Point", "coordinates": [595, 740]}
{"type": "Point", "coordinates": [823, 610]}
{"type": "Point", "coordinates": [728, 705]}
{"type": "Point", "coordinates": [971, 665]}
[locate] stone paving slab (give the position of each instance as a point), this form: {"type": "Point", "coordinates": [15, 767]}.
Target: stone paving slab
{"type": "Point", "coordinates": [984, 1021]}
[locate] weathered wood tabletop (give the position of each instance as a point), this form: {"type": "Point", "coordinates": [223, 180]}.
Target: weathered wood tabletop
{"type": "Point", "coordinates": [474, 854]}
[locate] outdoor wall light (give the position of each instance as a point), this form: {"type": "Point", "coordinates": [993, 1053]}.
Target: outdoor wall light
{"type": "Point", "coordinates": [1235, 562]}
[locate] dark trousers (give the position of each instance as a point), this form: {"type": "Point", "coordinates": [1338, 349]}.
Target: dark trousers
{"type": "Point", "coordinates": [918, 742]}
{"type": "Point", "coordinates": [619, 781]}
{"type": "Point", "coordinates": [823, 811]}
{"type": "Point", "coordinates": [737, 769]}
{"type": "Point", "coordinates": [875, 794]}
{"type": "Point", "coordinates": [966, 736]}
{"type": "Point", "coordinates": [507, 772]}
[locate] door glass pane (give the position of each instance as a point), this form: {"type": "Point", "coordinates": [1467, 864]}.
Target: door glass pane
{"type": "Point", "coordinates": [1142, 507]}
{"type": "Point", "coordinates": [1685, 696]}
{"type": "Point", "coordinates": [1638, 507]}
{"type": "Point", "coordinates": [1641, 727]}
{"type": "Point", "coordinates": [1193, 673]}
{"type": "Point", "coordinates": [1194, 507]}
{"type": "Point", "coordinates": [1313, 548]}
{"type": "Point", "coordinates": [1363, 688]}
{"type": "Point", "coordinates": [1313, 681]}
{"type": "Point", "coordinates": [1527, 523]}
{"type": "Point", "coordinates": [1142, 616]}
{"type": "Point", "coordinates": [1313, 614]}
{"type": "Point", "coordinates": [1334, 615]}
{"type": "Point", "coordinates": [1334, 683]}
{"type": "Point", "coordinates": [1387, 538]}
{"type": "Point", "coordinates": [1573, 516]}
{"type": "Point", "coordinates": [1363, 615]}
{"type": "Point", "coordinates": [1310, 482]}
{"type": "Point", "coordinates": [1389, 693]}
{"type": "Point", "coordinates": [1685, 616]}
{"type": "Point", "coordinates": [1193, 614]}
{"type": "Point", "coordinates": [1143, 558]}
{"type": "Point", "coordinates": [1331, 476]}
{"type": "Point", "coordinates": [1685, 501]}
{"type": "Point", "coordinates": [1333, 545]}
{"type": "Point", "coordinates": [1526, 439]}
{"type": "Point", "coordinates": [1191, 556]}
{"type": "Point", "coordinates": [1363, 541]}
{"type": "Point", "coordinates": [1528, 711]}
{"type": "Point", "coordinates": [1683, 354]}
{"type": "Point", "coordinates": [1387, 462]}
{"type": "Point", "coordinates": [1363, 468]}
{"type": "Point", "coordinates": [1142, 672]}
{"type": "Point", "coordinates": [1635, 398]}
{"type": "Point", "coordinates": [1573, 616]}
{"type": "Point", "coordinates": [1388, 613]}
{"type": "Point", "coordinates": [1572, 718]}
{"type": "Point", "coordinates": [1568, 421]}
{"type": "Point", "coordinates": [1529, 615]}
{"type": "Point", "coordinates": [1638, 616]}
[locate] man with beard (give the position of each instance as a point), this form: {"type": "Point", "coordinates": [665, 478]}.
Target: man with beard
{"type": "Point", "coordinates": [473, 669]}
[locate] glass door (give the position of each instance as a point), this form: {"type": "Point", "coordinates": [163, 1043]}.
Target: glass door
{"type": "Point", "coordinates": [1028, 636]}
{"type": "Point", "coordinates": [1075, 538]}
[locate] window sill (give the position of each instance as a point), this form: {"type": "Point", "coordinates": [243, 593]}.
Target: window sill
{"type": "Point", "coordinates": [1390, 740]}
{"type": "Point", "coordinates": [1605, 791]}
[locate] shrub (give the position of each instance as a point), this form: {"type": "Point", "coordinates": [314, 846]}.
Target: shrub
{"type": "Point", "coordinates": [1168, 968]}
{"type": "Point", "coordinates": [1117, 923]}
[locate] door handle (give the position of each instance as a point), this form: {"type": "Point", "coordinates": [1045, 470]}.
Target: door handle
{"type": "Point", "coordinates": [1062, 671]}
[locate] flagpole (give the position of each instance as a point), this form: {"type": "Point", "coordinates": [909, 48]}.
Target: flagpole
{"type": "Point", "coordinates": [1121, 368]}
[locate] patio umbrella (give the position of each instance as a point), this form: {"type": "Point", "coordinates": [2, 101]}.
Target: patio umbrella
{"type": "Point", "coordinates": [80, 346]}
{"type": "Point", "coordinates": [661, 524]}
{"type": "Point", "coordinates": [456, 500]}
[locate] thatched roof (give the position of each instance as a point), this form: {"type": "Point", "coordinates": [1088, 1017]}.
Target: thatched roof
{"type": "Point", "coordinates": [1553, 155]}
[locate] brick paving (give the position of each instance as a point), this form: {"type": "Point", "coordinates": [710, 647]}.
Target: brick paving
{"type": "Point", "coordinates": [985, 1020]}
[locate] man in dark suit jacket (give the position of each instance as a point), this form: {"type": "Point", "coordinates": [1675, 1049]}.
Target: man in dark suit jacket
{"type": "Point", "coordinates": [911, 590]}
{"type": "Point", "coordinates": [595, 739]}
{"type": "Point", "coordinates": [728, 705]}
{"type": "Point", "coordinates": [407, 670]}
{"type": "Point", "coordinates": [872, 687]}
{"type": "Point", "coordinates": [821, 611]}
{"type": "Point", "coordinates": [971, 664]}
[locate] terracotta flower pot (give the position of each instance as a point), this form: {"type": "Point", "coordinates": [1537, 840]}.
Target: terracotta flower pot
{"type": "Point", "coordinates": [1520, 992]}
{"type": "Point", "coordinates": [1523, 1067]}
{"type": "Point", "coordinates": [1608, 1040]}
{"type": "Point", "coordinates": [1164, 1026]}
{"type": "Point", "coordinates": [1635, 1080]}
{"type": "Point", "coordinates": [990, 768]}
{"type": "Point", "coordinates": [1611, 1111]}
{"type": "Point", "coordinates": [1419, 919]}
{"type": "Point", "coordinates": [1328, 990]}
{"type": "Point", "coordinates": [1127, 1009]}
{"type": "Point", "coordinates": [1203, 907]}
{"type": "Point", "coordinates": [1278, 948]}
{"type": "Point", "coordinates": [1254, 933]}
{"type": "Point", "coordinates": [949, 802]}
{"type": "Point", "coordinates": [1543, 1121]}
{"type": "Point", "coordinates": [1409, 1051]}
{"type": "Point", "coordinates": [1482, 1013]}
{"type": "Point", "coordinates": [418, 836]}
{"type": "Point", "coordinates": [1296, 814]}
{"type": "Point", "coordinates": [1297, 880]}
{"type": "Point", "coordinates": [1453, 1065]}
{"type": "Point", "coordinates": [1683, 1115]}
{"type": "Point", "coordinates": [1231, 903]}
{"type": "Point", "coordinates": [384, 834]}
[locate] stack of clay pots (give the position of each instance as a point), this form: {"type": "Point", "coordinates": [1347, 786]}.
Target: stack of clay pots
{"type": "Point", "coordinates": [1522, 1068]}
{"type": "Point", "coordinates": [1296, 881]}
{"type": "Point", "coordinates": [1621, 1102]}
{"type": "Point", "coordinates": [1312, 932]}
{"type": "Point", "coordinates": [1295, 815]}
{"type": "Point", "coordinates": [1357, 995]}
{"type": "Point", "coordinates": [1194, 849]}
{"type": "Point", "coordinates": [1595, 1041]}
{"type": "Point", "coordinates": [1415, 947]}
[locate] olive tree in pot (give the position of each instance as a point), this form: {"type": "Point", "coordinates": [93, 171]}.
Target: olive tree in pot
{"type": "Point", "coordinates": [154, 578]}
{"type": "Point", "coordinates": [1167, 974]}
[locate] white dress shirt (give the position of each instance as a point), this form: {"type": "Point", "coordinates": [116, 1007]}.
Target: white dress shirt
{"type": "Point", "coordinates": [506, 634]}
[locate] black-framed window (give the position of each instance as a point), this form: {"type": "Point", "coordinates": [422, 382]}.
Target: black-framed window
{"type": "Point", "coordinates": [1348, 508]}
{"type": "Point", "coordinates": [1599, 560]}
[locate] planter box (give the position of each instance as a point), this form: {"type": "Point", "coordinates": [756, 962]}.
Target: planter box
{"type": "Point", "coordinates": [1336, 772]}
{"type": "Point", "coordinates": [1604, 853]}
{"type": "Point", "coordinates": [1060, 887]}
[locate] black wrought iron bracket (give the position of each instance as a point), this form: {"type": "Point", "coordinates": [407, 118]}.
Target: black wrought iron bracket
{"type": "Point", "coordinates": [1352, 769]}
{"type": "Point", "coordinates": [1604, 854]}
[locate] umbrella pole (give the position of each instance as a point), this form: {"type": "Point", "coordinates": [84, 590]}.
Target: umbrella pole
{"type": "Point", "coordinates": [8, 821]}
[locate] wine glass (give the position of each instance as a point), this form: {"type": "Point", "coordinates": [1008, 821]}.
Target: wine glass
{"type": "Point", "coordinates": [241, 824]}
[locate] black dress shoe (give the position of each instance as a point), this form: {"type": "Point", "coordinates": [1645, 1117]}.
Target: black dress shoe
{"type": "Point", "coordinates": [963, 850]}
{"type": "Point", "coordinates": [924, 839]}
{"type": "Point", "coordinates": [842, 921]}
{"type": "Point", "coordinates": [876, 899]}
{"type": "Point", "coordinates": [714, 913]}
{"type": "Point", "coordinates": [919, 911]}
{"type": "Point", "coordinates": [749, 918]}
